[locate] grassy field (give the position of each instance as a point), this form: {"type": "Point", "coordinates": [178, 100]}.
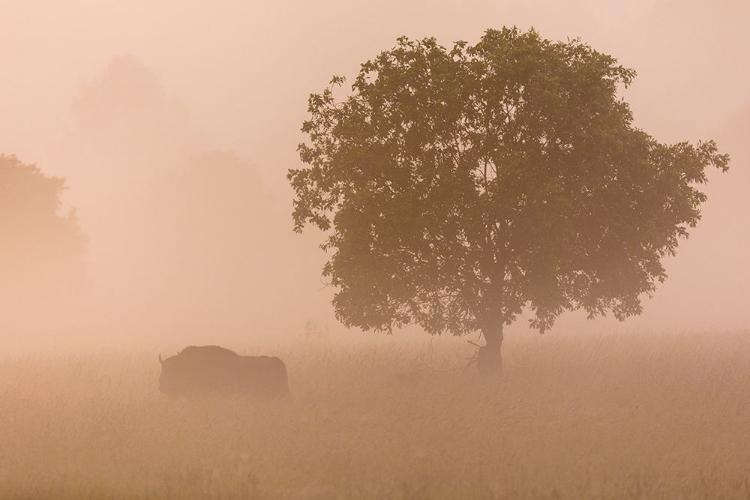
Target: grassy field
{"type": "Point", "coordinates": [607, 416]}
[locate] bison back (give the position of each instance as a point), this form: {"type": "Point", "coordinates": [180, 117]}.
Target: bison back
{"type": "Point", "coordinates": [265, 375]}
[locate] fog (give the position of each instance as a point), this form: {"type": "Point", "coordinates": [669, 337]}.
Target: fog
{"type": "Point", "coordinates": [174, 124]}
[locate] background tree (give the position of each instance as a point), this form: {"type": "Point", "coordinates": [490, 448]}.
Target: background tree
{"type": "Point", "coordinates": [460, 186]}
{"type": "Point", "coordinates": [125, 111]}
{"type": "Point", "coordinates": [40, 250]}
{"type": "Point", "coordinates": [204, 258]}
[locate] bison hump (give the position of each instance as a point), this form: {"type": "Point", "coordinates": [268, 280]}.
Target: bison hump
{"type": "Point", "coordinates": [212, 351]}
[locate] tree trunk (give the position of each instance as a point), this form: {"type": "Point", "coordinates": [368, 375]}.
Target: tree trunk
{"type": "Point", "coordinates": [489, 359]}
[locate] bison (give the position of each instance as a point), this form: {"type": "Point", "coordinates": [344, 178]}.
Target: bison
{"type": "Point", "coordinates": [213, 370]}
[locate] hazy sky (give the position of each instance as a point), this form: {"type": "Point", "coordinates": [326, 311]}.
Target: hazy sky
{"type": "Point", "coordinates": [245, 68]}
{"type": "Point", "coordinates": [243, 71]}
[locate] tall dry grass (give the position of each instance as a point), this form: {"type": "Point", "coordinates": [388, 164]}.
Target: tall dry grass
{"type": "Point", "coordinates": [609, 416]}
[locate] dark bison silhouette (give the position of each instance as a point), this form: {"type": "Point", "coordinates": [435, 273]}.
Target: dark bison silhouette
{"type": "Point", "coordinates": [213, 370]}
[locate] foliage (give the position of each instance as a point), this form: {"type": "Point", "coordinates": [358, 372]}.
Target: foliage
{"type": "Point", "coordinates": [39, 247]}
{"type": "Point", "coordinates": [459, 186]}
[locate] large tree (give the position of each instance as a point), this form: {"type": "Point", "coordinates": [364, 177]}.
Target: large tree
{"type": "Point", "coordinates": [460, 186]}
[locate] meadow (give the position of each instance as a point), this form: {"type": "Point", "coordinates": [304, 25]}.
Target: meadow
{"type": "Point", "coordinates": [603, 416]}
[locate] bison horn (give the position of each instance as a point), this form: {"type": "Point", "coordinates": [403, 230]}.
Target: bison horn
{"type": "Point", "coordinates": [161, 360]}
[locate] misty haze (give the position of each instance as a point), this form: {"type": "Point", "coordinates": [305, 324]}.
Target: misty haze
{"type": "Point", "coordinates": [464, 249]}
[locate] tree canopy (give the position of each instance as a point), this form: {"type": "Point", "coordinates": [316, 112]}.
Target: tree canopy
{"type": "Point", "coordinates": [459, 186]}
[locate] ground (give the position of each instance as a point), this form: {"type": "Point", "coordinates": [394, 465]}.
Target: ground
{"type": "Point", "coordinates": [605, 416]}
